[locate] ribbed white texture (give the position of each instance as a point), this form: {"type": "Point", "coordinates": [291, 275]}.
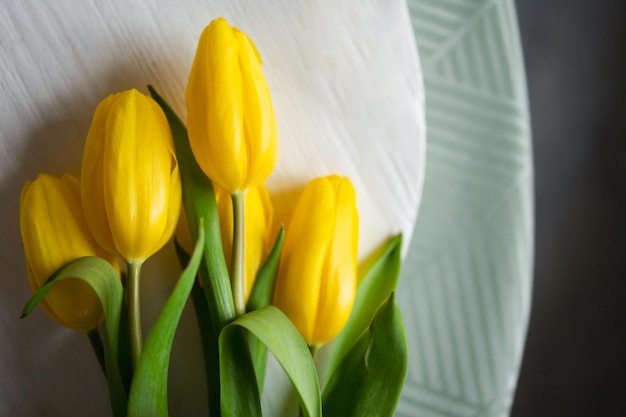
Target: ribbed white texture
{"type": "Point", "coordinates": [347, 89]}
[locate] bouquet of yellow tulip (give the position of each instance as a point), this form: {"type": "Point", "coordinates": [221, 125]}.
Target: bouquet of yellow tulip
{"type": "Point", "coordinates": [254, 289]}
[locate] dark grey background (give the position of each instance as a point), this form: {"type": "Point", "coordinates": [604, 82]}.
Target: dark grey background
{"type": "Point", "coordinates": [575, 357]}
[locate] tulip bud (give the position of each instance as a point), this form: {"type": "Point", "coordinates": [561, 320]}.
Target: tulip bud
{"type": "Point", "coordinates": [230, 118]}
{"type": "Point", "coordinates": [131, 190]}
{"type": "Point", "coordinates": [257, 234]}
{"type": "Point", "coordinates": [316, 282]}
{"type": "Point", "coordinates": [54, 232]}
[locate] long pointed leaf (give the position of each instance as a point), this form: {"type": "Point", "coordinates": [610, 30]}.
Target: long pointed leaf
{"type": "Point", "coordinates": [378, 278]}
{"type": "Point", "coordinates": [263, 288]}
{"type": "Point", "coordinates": [261, 296]}
{"type": "Point", "coordinates": [240, 396]}
{"type": "Point", "coordinates": [148, 391]}
{"type": "Point", "coordinates": [199, 202]}
{"type": "Point", "coordinates": [369, 380]}
{"type": "Point", "coordinates": [239, 393]}
{"type": "Point", "coordinates": [207, 335]}
{"type": "Point", "coordinates": [210, 349]}
{"type": "Point", "coordinates": [103, 278]}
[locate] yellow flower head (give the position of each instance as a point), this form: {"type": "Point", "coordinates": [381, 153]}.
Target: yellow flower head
{"type": "Point", "coordinates": [258, 230]}
{"type": "Point", "coordinates": [230, 118]}
{"type": "Point", "coordinates": [131, 190]}
{"type": "Point", "coordinates": [316, 281]}
{"type": "Point", "coordinates": [54, 232]}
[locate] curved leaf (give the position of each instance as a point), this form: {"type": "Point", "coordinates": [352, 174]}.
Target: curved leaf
{"type": "Point", "coordinates": [369, 380]}
{"type": "Point", "coordinates": [240, 396]}
{"type": "Point", "coordinates": [148, 391]}
{"type": "Point", "coordinates": [378, 278]}
{"type": "Point", "coordinates": [207, 335]}
{"type": "Point", "coordinates": [103, 278]}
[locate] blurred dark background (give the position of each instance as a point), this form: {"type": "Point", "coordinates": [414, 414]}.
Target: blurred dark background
{"type": "Point", "coordinates": [575, 358]}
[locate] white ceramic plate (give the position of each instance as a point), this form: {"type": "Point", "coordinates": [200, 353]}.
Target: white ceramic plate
{"type": "Point", "coordinates": [348, 95]}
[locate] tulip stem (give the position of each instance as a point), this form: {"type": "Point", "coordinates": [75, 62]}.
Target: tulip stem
{"type": "Point", "coordinates": [237, 260]}
{"type": "Point", "coordinates": [134, 311]}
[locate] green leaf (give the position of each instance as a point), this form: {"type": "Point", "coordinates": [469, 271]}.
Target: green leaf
{"type": "Point", "coordinates": [125, 356]}
{"type": "Point", "coordinates": [261, 296]}
{"type": "Point", "coordinates": [240, 395]}
{"type": "Point", "coordinates": [207, 335]}
{"type": "Point", "coordinates": [199, 201]}
{"type": "Point", "coordinates": [148, 391]}
{"type": "Point", "coordinates": [103, 278]}
{"type": "Point", "coordinates": [210, 349]}
{"type": "Point", "coordinates": [263, 288]}
{"type": "Point", "coordinates": [378, 277]}
{"type": "Point", "coordinates": [369, 380]}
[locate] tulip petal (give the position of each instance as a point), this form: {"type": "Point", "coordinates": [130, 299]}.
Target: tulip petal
{"type": "Point", "coordinates": [339, 286]}
{"type": "Point", "coordinates": [259, 121]}
{"type": "Point", "coordinates": [225, 212]}
{"type": "Point", "coordinates": [92, 178]}
{"type": "Point", "coordinates": [214, 103]}
{"type": "Point", "coordinates": [131, 187]}
{"type": "Point", "coordinates": [54, 232]}
{"type": "Point", "coordinates": [307, 241]}
{"type": "Point", "coordinates": [230, 117]}
{"type": "Point", "coordinates": [174, 185]}
{"type": "Point", "coordinates": [317, 276]}
{"type": "Point", "coordinates": [258, 232]}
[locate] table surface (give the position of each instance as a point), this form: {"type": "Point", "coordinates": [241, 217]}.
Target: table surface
{"type": "Point", "coordinates": [348, 91]}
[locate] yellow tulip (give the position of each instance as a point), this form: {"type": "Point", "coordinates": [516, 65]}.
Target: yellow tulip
{"type": "Point", "coordinates": [257, 234]}
{"type": "Point", "coordinates": [317, 275]}
{"type": "Point", "coordinates": [54, 232]}
{"type": "Point", "coordinates": [230, 118]}
{"type": "Point", "coordinates": [131, 190]}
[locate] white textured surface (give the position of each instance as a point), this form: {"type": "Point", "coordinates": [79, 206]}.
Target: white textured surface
{"type": "Point", "coordinates": [346, 85]}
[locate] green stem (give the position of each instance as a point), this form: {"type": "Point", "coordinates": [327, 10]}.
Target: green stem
{"type": "Point", "coordinates": [237, 260]}
{"type": "Point", "coordinates": [134, 311]}
{"type": "Point", "coordinates": [98, 348]}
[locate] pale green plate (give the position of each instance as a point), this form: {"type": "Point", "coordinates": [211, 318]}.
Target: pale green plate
{"type": "Point", "coordinates": [466, 284]}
